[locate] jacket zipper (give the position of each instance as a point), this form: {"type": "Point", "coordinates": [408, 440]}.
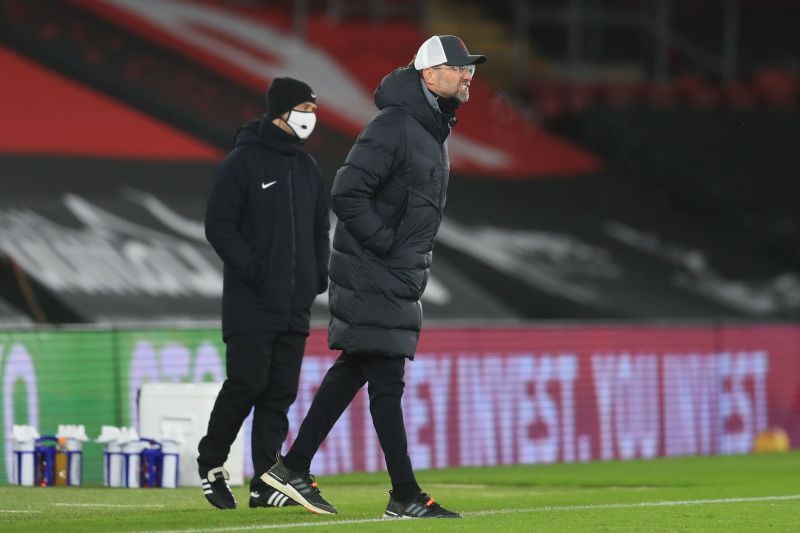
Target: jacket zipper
{"type": "Point", "coordinates": [294, 245]}
{"type": "Point", "coordinates": [442, 188]}
{"type": "Point", "coordinates": [443, 181]}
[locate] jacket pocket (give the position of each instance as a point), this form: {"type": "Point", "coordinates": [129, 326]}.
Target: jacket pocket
{"type": "Point", "coordinates": [417, 224]}
{"type": "Point", "coordinates": [397, 220]}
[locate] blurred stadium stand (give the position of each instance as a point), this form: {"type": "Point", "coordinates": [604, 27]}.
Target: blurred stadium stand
{"type": "Point", "coordinates": [608, 165]}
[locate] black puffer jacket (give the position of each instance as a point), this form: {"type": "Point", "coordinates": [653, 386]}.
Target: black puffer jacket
{"type": "Point", "coordinates": [267, 218]}
{"type": "Point", "coordinates": [389, 197]}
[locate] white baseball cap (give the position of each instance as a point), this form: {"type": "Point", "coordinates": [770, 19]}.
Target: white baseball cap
{"type": "Point", "coordinates": [445, 49]}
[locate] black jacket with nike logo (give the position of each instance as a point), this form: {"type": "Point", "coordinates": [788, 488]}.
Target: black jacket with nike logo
{"type": "Point", "coordinates": [267, 219]}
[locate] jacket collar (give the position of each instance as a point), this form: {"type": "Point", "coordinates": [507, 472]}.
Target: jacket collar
{"type": "Point", "coordinates": [429, 95]}
{"type": "Point", "coordinates": [402, 88]}
{"type": "Point", "coordinates": [263, 132]}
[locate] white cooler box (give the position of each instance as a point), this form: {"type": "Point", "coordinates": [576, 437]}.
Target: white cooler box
{"type": "Point", "coordinates": [184, 409]}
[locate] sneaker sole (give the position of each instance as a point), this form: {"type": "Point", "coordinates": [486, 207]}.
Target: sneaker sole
{"type": "Point", "coordinates": [222, 506]}
{"type": "Point", "coordinates": [387, 516]}
{"type": "Point", "coordinates": [291, 492]}
{"type": "Point", "coordinates": [391, 516]}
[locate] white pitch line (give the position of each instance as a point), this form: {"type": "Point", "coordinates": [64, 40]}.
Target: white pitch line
{"type": "Point", "coordinates": [123, 505]}
{"type": "Point", "coordinates": [548, 509]}
{"type": "Point", "coordinates": [674, 503]}
{"type": "Point", "coordinates": [17, 511]}
{"type": "Point", "coordinates": [328, 523]}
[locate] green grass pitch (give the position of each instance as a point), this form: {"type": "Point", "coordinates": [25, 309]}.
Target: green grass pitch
{"type": "Point", "coordinates": [723, 493]}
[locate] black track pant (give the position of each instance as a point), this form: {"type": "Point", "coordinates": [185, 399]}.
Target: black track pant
{"type": "Point", "coordinates": [348, 374]}
{"type": "Point", "coordinates": [263, 374]}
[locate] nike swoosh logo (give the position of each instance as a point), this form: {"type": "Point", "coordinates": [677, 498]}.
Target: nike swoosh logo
{"type": "Point", "coordinates": [270, 184]}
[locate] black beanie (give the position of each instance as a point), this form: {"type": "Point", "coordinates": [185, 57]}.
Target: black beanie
{"type": "Point", "coordinates": [285, 93]}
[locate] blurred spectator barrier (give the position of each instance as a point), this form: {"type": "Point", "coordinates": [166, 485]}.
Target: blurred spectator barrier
{"type": "Point", "coordinates": [482, 396]}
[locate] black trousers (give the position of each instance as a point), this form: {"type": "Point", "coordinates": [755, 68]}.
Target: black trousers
{"type": "Point", "coordinates": [343, 380]}
{"type": "Point", "coordinates": [263, 372]}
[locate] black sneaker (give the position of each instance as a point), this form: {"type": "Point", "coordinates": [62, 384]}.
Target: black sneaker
{"type": "Point", "coordinates": [300, 487]}
{"type": "Point", "coordinates": [216, 489]}
{"type": "Point", "coordinates": [269, 497]}
{"type": "Point", "coordinates": [420, 506]}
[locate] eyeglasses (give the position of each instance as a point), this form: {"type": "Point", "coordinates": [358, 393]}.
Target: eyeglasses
{"type": "Point", "coordinates": [463, 69]}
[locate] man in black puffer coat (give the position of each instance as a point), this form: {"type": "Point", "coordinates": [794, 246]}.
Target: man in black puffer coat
{"type": "Point", "coordinates": [389, 197]}
{"type": "Point", "coordinates": [267, 219]}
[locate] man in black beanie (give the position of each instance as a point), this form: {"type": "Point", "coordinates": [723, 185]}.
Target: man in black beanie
{"type": "Point", "coordinates": [267, 219]}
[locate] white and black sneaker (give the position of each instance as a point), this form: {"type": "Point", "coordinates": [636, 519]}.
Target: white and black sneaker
{"type": "Point", "coordinates": [269, 497]}
{"type": "Point", "coordinates": [300, 487]}
{"type": "Point", "coordinates": [216, 489]}
{"type": "Point", "coordinates": [420, 506]}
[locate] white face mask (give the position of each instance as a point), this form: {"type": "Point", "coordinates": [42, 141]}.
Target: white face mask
{"type": "Point", "coordinates": [302, 122]}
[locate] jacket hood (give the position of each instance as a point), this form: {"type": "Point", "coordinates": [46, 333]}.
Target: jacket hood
{"type": "Point", "coordinates": [402, 87]}
{"type": "Point", "coordinates": [263, 132]}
